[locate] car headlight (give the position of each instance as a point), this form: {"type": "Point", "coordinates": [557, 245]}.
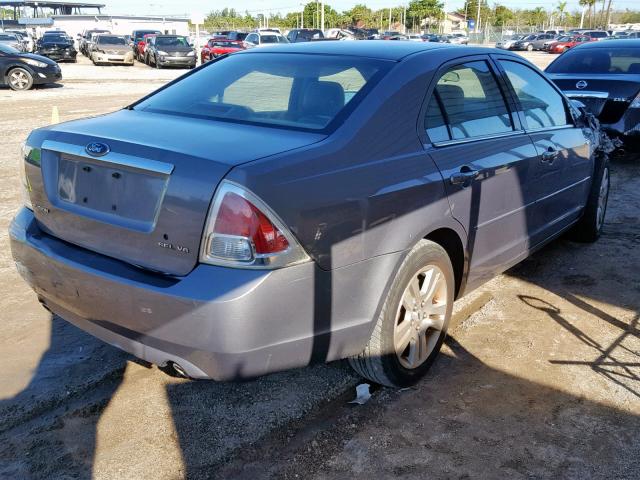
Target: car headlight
{"type": "Point", "coordinates": [34, 63]}
{"type": "Point", "coordinates": [635, 103]}
{"type": "Point", "coordinates": [191, 54]}
{"type": "Point", "coordinates": [162, 52]}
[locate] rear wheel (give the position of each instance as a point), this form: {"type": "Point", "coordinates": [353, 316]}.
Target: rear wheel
{"type": "Point", "coordinates": [413, 322]}
{"type": "Point", "coordinates": [589, 227]}
{"type": "Point", "coordinates": [19, 79]}
{"type": "Point", "coordinates": [529, 48]}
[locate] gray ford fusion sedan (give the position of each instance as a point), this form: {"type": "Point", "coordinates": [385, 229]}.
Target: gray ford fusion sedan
{"type": "Point", "coordinates": [306, 202]}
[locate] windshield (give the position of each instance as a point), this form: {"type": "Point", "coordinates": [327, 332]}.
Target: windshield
{"type": "Point", "coordinates": [141, 33]}
{"type": "Point", "coordinates": [172, 42]}
{"type": "Point", "coordinates": [7, 49]}
{"type": "Point", "coordinates": [564, 39]}
{"type": "Point", "coordinates": [295, 91]}
{"type": "Point", "coordinates": [8, 37]}
{"type": "Point", "coordinates": [102, 40]}
{"type": "Point", "coordinates": [226, 44]}
{"type": "Point", "coordinates": [272, 39]}
{"type": "Point", "coordinates": [598, 60]}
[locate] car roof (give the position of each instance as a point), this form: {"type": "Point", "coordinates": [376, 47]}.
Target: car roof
{"type": "Point", "coordinates": [381, 49]}
{"type": "Point", "coordinates": [622, 43]}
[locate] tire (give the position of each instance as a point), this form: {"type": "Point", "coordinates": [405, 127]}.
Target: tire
{"type": "Point", "coordinates": [529, 48]}
{"type": "Point", "coordinates": [589, 227]}
{"type": "Point", "coordinates": [19, 79]}
{"type": "Point", "coordinates": [383, 363]}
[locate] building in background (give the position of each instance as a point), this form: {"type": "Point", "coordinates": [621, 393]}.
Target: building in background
{"type": "Point", "coordinates": [76, 17]}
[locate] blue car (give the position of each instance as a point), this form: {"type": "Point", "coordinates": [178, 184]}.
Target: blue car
{"type": "Point", "coordinates": [305, 202]}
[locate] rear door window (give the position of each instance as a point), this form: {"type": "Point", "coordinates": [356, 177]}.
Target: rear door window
{"type": "Point", "coordinates": [472, 104]}
{"type": "Point", "coordinates": [542, 105]}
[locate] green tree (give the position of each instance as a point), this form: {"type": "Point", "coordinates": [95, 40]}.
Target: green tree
{"type": "Point", "coordinates": [360, 16]}
{"type": "Point", "coordinates": [426, 11]}
{"type": "Point", "coordinates": [561, 8]}
{"type": "Point", "coordinates": [502, 16]}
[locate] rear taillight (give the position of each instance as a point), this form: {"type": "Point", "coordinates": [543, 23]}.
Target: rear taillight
{"type": "Point", "coordinates": [241, 231]}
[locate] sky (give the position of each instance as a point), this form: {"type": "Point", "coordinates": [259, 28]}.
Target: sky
{"type": "Point", "coordinates": [182, 7]}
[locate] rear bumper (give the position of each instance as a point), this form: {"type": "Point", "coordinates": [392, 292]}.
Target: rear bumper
{"type": "Point", "coordinates": [216, 322]}
{"type": "Point", "coordinates": [626, 129]}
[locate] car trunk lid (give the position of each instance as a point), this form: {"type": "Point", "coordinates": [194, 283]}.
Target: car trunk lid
{"type": "Point", "coordinates": [606, 96]}
{"type": "Point", "coordinates": [144, 197]}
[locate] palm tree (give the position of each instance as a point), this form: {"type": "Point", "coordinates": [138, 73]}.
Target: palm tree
{"type": "Point", "coordinates": [589, 4]}
{"type": "Point", "coordinates": [562, 6]}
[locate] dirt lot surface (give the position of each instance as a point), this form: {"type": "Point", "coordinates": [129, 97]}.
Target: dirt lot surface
{"type": "Point", "coordinates": [540, 377]}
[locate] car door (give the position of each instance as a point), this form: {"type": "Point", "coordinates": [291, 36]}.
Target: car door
{"type": "Point", "coordinates": [561, 175]}
{"type": "Point", "coordinates": [475, 138]}
{"type": "Point", "coordinates": [4, 63]}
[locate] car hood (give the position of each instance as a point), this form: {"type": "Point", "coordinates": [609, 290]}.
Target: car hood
{"type": "Point", "coordinates": [40, 58]}
{"type": "Point", "coordinates": [117, 49]}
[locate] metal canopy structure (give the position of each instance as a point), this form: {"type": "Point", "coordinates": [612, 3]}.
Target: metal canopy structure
{"type": "Point", "coordinates": [41, 9]}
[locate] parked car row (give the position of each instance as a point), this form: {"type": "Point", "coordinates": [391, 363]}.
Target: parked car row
{"type": "Point", "coordinates": [544, 40]}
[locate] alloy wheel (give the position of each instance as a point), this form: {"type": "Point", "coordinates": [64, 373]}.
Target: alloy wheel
{"type": "Point", "coordinates": [420, 317]}
{"type": "Point", "coordinates": [19, 79]}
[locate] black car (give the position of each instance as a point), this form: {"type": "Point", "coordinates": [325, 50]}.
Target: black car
{"type": "Point", "coordinates": [57, 47]}
{"type": "Point", "coordinates": [21, 70]}
{"type": "Point", "coordinates": [605, 77]}
{"type": "Point", "coordinates": [170, 50]}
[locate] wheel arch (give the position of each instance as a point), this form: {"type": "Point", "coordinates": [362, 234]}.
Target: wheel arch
{"type": "Point", "coordinates": [15, 65]}
{"type": "Point", "coordinates": [449, 239]}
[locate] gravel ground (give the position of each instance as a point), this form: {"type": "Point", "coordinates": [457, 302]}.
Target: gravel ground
{"type": "Point", "coordinates": [540, 377]}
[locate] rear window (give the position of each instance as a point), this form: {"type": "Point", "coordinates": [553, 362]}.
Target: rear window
{"type": "Point", "coordinates": [272, 39]}
{"type": "Point", "coordinates": [598, 60]}
{"type": "Point", "coordinates": [292, 91]}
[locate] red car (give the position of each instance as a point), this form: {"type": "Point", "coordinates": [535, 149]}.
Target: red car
{"type": "Point", "coordinates": [141, 45]}
{"type": "Point", "coordinates": [565, 43]}
{"type": "Point", "coordinates": [216, 47]}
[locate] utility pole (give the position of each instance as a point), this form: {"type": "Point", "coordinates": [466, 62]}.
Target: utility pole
{"type": "Point", "coordinates": [322, 16]}
{"type": "Point", "coordinates": [584, 7]}
{"type": "Point", "coordinates": [389, 18]}
{"type": "Point", "coordinates": [478, 17]}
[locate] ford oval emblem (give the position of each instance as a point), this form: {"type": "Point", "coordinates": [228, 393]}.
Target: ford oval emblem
{"type": "Point", "coordinates": [97, 149]}
{"type": "Point", "coordinates": [581, 84]}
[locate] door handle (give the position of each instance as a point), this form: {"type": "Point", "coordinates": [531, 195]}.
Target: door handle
{"type": "Point", "coordinates": [464, 177]}
{"type": "Point", "coordinates": [550, 155]}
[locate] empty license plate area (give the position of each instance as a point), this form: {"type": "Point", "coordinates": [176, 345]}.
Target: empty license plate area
{"type": "Point", "coordinates": [111, 190]}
